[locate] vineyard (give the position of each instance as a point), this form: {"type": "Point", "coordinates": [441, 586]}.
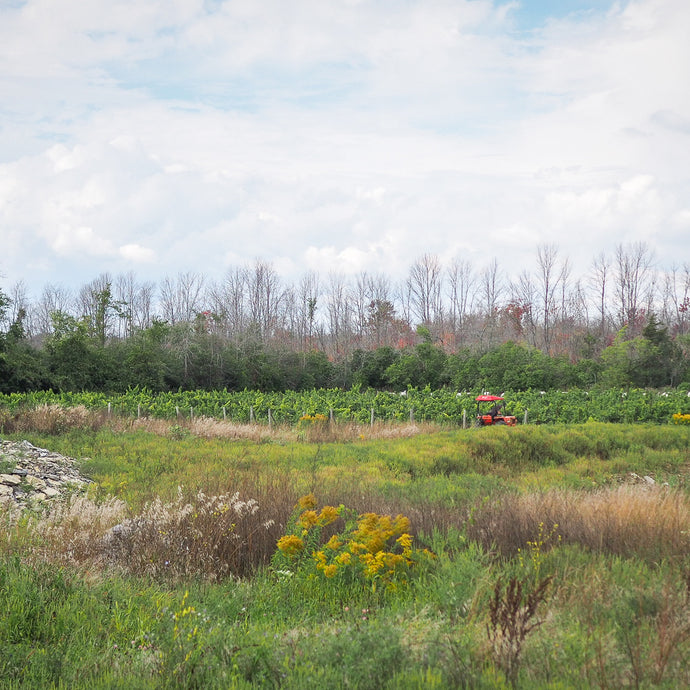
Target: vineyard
{"type": "Point", "coordinates": [446, 407]}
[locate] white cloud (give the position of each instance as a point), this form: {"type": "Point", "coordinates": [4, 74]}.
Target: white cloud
{"type": "Point", "coordinates": [336, 136]}
{"type": "Point", "coordinates": [67, 240]}
{"type": "Point", "coordinates": [136, 253]}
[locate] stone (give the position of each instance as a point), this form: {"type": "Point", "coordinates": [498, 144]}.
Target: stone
{"type": "Point", "coordinates": [37, 475]}
{"type": "Point", "coordinates": [10, 479]}
{"type": "Point", "coordinates": [36, 483]}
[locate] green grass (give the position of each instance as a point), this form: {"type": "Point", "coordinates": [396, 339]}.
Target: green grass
{"type": "Point", "coordinates": [485, 502]}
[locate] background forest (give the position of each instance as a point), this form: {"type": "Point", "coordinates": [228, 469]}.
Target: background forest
{"type": "Point", "coordinates": [625, 323]}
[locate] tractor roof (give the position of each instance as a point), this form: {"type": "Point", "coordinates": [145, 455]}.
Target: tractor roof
{"type": "Point", "coordinates": [488, 398]}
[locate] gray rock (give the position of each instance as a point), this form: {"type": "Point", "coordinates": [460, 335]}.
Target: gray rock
{"type": "Point", "coordinates": [37, 474]}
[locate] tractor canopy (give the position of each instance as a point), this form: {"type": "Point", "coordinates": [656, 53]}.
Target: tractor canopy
{"type": "Point", "coordinates": [488, 398]}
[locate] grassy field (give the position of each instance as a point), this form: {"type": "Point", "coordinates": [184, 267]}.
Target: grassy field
{"type": "Point", "coordinates": [393, 556]}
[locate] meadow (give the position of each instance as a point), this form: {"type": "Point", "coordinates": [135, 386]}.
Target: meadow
{"type": "Point", "coordinates": [320, 554]}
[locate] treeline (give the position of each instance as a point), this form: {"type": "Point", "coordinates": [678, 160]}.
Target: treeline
{"type": "Point", "coordinates": [625, 323]}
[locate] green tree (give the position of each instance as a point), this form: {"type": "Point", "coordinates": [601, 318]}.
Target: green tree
{"type": "Point", "coordinates": [75, 361]}
{"type": "Point", "coordinates": [369, 366]}
{"type": "Point", "coordinates": [21, 365]}
{"type": "Point", "coordinates": [651, 360]}
{"type": "Point", "coordinates": [617, 361]}
{"type": "Point", "coordinates": [146, 360]}
{"type": "Point", "coordinates": [424, 365]}
{"type": "Point", "coordinates": [658, 357]}
{"type": "Point", "coordinates": [462, 370]}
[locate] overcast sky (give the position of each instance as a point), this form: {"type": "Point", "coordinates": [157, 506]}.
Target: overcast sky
{"type": "Point", "coordinates": [166, 136]}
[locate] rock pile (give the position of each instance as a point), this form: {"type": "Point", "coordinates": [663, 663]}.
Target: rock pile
{"type": "Point", "coordinates": [30, 475]}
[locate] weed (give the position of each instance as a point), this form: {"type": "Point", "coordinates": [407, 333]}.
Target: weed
{"type": "Point", "coordinates": [511, 618]}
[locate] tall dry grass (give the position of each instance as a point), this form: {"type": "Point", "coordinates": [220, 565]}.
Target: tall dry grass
{"type": "Point", "coordinates": [55, 419]}
{"type": "Point", "coordinates": [51, 419]}
{"type": "Point", "coordinates": [652, 523]}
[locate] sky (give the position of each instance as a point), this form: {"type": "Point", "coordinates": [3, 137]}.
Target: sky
{"type": "Point", "coordinates": [338, 136]}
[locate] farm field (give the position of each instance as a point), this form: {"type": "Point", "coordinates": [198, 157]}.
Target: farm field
{"type": "Point", "coordinates": [413, 554]}
{"type": "Point", "coordinates": [442, 406]}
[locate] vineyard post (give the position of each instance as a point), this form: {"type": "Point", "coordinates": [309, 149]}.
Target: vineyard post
{"type": "Point", "coordinates": [330, 415]}
{"type": "Point", "coordinates": [464, 418]}
{"type": "Point", "coordinates": [371, 422]}
{"type": "Point", "coordinates": [224, 416]}
{"type": "Point", "coordinates": [108, 409]}
{"type": "Point", "coordinates": [270, 418]}
{"type": "Point", "coordinates": [177, 411]}
{"type": "Point", "coordinates": [251, 414]}
{"type": "Point", "coordinates": [524, 421]}
{"type": "Point", "coordinates": [412, 415]}
{"type": "Point", "coordinates": [191, 414]}
{"type": "Point", "coordinates": [138, 410]}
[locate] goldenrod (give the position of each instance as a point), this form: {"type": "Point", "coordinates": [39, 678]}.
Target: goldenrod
{"type": "Point", "coordinates": [290, 545]}
{"type": "Point", "coordinates": [307, 502]}
{"type": "Point", "coordinates": [308, 519]}
{"type": "Point", "coordinates": [328, 515]}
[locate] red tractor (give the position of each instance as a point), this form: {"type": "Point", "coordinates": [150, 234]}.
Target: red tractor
{"type": "Point", "coordinates": [496, 415]}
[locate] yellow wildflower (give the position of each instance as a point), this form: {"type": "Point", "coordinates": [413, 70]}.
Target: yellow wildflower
{"type": "Point", "coordinates": [307, 519]}
{"type": "Point", "coordinates": [307, 502]}
{"type": "Point", "coordinates": [344, 558]}
{"type": "Point", "coordinates": [405, 541]}
{"type": "Point", "coordinates": [330, 570]}
{"type": "Point", "coordinates": [401, 525]}
{"type": "Point", "coordinates": [356, 546]}
{"type": "Point", "coordinates": [328, 515]}
{"type": "Point", "coordinates": [290, 545]}
{"type": "Point", "coordinates": [334, 543]}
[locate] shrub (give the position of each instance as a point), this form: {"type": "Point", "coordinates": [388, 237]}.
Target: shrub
{"type": "Point", "coordinates": [211, 537]}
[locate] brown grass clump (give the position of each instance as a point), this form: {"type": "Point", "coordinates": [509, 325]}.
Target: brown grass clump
{"type": "Point", "coordinates": [53, 419]}
{"type": "Point", "coordinates": [649, 522]}
{"type": "Point", "coordinates": [69, 531]}
{"type": "Point", "coordinates": [209, 427]}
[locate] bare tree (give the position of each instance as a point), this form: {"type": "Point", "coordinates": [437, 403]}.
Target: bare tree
{"type": "Point", "coordinates": [491, 288]}
{"type": "Point", "coordinates": [307, 304]}
{"type": "Point", "coordinates": [368, 292]}
{"type": "Point", "coordinates": [599, 278]}
{"type": "Point", "coordinates": [181, 297]}
{"type": "Point", "coordinates": [524, 298]}
{"type": "Point", "coordinates": [339, 310]}
{"type": "Point", "coordinates": [228, 300]}
{"type": "Point", "coordinates": [676, 299]}
{"type": "Point", "coordinates": [461, 289]}
{"type": "Point", "coordinates": [424, 285]}
{"type": "Point", "coordinates": [265, 299]}
{"type": "Point", "coordinates": [135, 300]}
{"type": "Point", "coordinates": [54, 298]}
{"type": "Point", "coordinates": [634, 284]}
{"type": "Point", "coordinates": [547, 281]}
